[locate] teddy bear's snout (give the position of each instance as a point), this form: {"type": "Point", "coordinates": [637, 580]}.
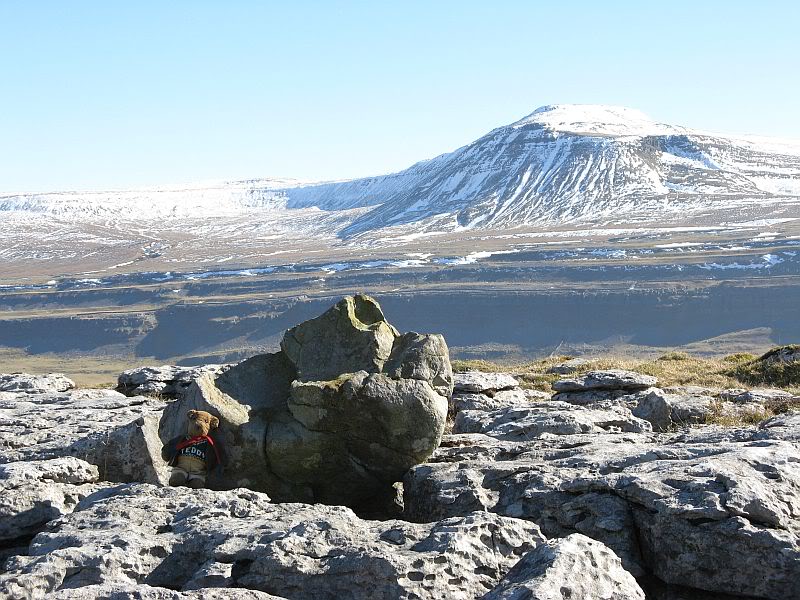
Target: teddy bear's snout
{"type": "Point", "coordinates": [198, 428]}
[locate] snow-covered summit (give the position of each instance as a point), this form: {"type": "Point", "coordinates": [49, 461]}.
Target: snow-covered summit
{"type": "Point", "coordinates": [596, 119]}
{"type": "Point", "coordinates": [566, 163]}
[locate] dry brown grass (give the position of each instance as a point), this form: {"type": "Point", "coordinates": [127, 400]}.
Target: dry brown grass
{"type": "Point", "coordinates": [671, 369]}
{"type": "Point", "coordinates": [763, 372]}
{"type": "Point", "coordinates": [743, 417]}
{"type": "Point", "coordinates": [85, 371]}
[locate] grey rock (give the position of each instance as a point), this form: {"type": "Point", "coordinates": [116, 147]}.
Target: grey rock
{"type": "Point", "coordinates": [383, 425]}
{"type": "Point", "coordinates": [73, 423]}
{"type": "Point", "coordinates": [200, 539]}
{"type": "Point", "coordinates": [166, 380]}
{"type": "Point", "coordinates": [133, 453]}
{"type": "Point", "coordinates": [781, 427]}
{"type": "Point", "coordinates": [611, 379]}
{"type": "Point", "coordinates": [692, 390]}
{"type": "Point", "coordinates": [35, 384]}
{"type": "Point", "coordinates": [664, 410]}
{"type": "Point", "coordinates": [352, 336]}
{"type": "Point", "coordinates": [247, 399]}
{"type": "Point", "coordinates": [690, 410]}
{"type": "Point", "coordinates": [572, 567]}
{"type": "Point", "coordinates": [537, 395]}
{"type": "Point", "coordinates": [759, 395]}
{"type": "Point", "coordinates": [54, 447]}
{"type": "Point", "coordinates": [556, 418]}
{"type": "Point", "coordinates": [783, 354]}
{"type": "Point", "coordinates": [105, 591]}
{"type": "Point", "coordinates": [685, 507]}
{"type": "Point", "coordinates": [589, 397]}
{"type": "Point", "coordinates": [478, 382]}
{"type": "Point", "coordinates": [501, 399]}
{"type": "Point", "coordinates": [655, 406]}
{"type": "Point", "coordinates": [424, 357]}
{"type": "Point", "coordinates": [35, 492]}
{"type": "Point", "coordinates": [569, 366]}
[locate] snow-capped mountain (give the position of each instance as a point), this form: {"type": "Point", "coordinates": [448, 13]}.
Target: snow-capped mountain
{"type": "Point", "coordinates": [561, 163]}
{"type": "Point", "coordinates": [195, 200]}
{"type": "Point", "coordinates": [565, 163]}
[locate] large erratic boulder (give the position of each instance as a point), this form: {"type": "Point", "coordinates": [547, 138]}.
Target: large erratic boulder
{"type": "Point", "coordinates": [337, 416]}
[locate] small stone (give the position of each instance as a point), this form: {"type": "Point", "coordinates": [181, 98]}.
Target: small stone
{"type": "Point", "coordinates": [569, 366]}
{"type": "Point", "coordinates": [759, 395]}
{"type": "Point", "coordinates": [35, 384]}
{"type": "Point", "coordinates": [612, 379]}
{"type": "Point", "coordinates": [478, 382]}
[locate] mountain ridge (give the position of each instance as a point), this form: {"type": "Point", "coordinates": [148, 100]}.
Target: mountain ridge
{"type": "Point", "coordinates": [559, 164]}
{"type": "Point", "coordinates": [564, 163]}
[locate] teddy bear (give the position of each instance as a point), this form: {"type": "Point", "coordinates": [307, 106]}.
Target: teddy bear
{"type": "Point", "coordinates": [195, 455]}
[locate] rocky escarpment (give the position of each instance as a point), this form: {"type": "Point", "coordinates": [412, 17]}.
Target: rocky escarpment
{"type": "Point", "coordinates": [612, 489]}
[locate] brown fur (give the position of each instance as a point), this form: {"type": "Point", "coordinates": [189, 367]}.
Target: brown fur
{"type": "Point", "coordinates": [201, 422]}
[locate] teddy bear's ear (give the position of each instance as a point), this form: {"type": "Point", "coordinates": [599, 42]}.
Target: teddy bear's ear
{"type": "Point", "coordinates": [192, 414]}
{"type": "Point", "coordinates": [214, 422]}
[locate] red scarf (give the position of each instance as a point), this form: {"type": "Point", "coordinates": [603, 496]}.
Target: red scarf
{"type": "Point", "coordinates": [196, 439]}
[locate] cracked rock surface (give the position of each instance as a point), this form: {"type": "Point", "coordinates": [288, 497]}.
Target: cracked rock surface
{"type": "Point", "coordinates": [685, 507]}
{"type": "Point", "coordinates": [35, 492]}
{"type": "Point", "coordinates": [611, 379]}
{"type": "Point", "coordinates": [56, 447]}
{"type": "Point", "coordinates": [195, 540]}
{"type": "Point", "coordinates": [529, 497]}
{"type": "Point", "coordinates": [167, 380]}
{"type": "Point", "coordinates": [35, 384]}
{"type": "Point", "coordinates": [479, 382]}
{"type": "Point", "coordinates": [80, 423]}
{"type": "Point", "coordinates": [572, 567]}
{"type": "Point", "coordinates": [556, 418]}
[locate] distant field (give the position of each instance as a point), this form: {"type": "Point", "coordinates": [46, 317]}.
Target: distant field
{"type": "Point", "coordinates": [630, 290]}
{"type": "Point", "coordinates": [86, 371]}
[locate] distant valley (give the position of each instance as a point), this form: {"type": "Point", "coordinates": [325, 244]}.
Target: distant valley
{"type": "Point", "coordinates": [576, 228]}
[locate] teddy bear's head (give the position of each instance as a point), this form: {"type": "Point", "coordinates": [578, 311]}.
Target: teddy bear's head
{"type": "Point", "coordinates": [201, 422]}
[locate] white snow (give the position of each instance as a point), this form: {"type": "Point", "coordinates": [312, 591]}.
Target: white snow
{"type": "Point", "coordinates": [768, 261]}
{"type": "Point", "coordinates": [763, 222]}
{"type": "Point", "coordinates": [596, 119]}
{"type": "Point", "coordinates": [471, 258]}
{"type": "Point", "coordinates": [680, 245]}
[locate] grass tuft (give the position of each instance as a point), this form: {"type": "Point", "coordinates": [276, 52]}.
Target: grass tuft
{"type": "Point", "coordinates": [675, 356]}
{"type": "Point", "coordinates": [742, 417]}
{"type": "Point", "coordinates": [462, 366]}
{"type": "Point", "coordinates": [766, 371]}
{"type": "Point", "coordinates": [739, 357]}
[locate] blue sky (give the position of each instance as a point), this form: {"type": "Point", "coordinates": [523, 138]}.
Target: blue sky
{"type": "Point", "coordinates": [116, 94]}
